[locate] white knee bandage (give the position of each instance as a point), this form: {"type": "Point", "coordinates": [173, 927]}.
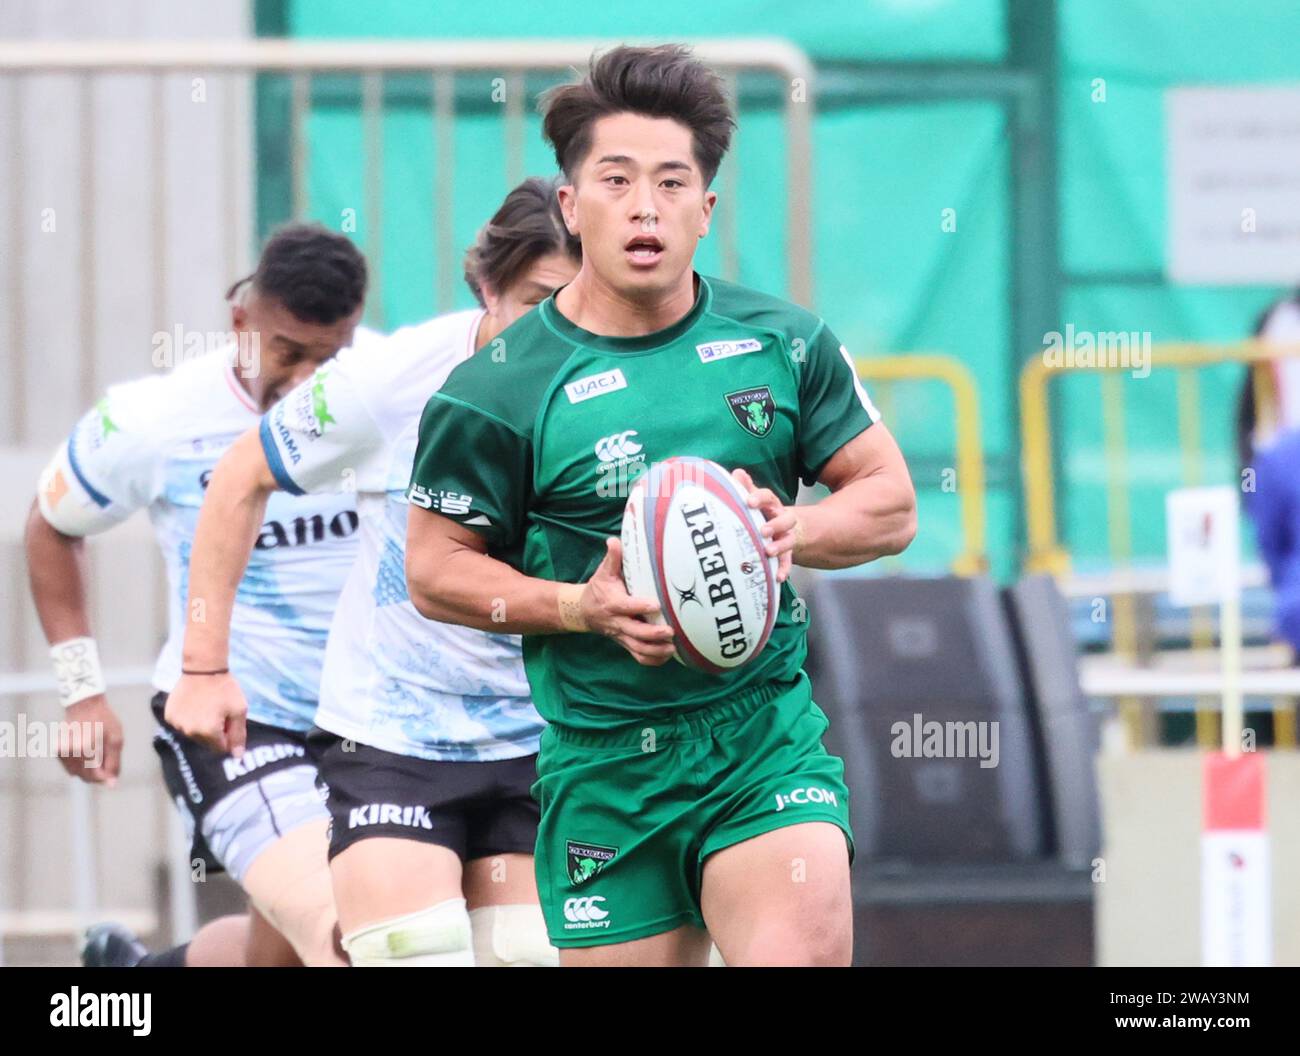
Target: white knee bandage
{"type": "Point", "coordinates": [435, 937]}
{"type": "Point", "coordinates": [512, 937]}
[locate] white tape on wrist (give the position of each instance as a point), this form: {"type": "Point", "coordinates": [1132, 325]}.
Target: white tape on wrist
{"type": "Point", "coordinates": [77, 671]}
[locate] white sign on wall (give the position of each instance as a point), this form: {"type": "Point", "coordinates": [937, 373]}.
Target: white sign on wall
{"type": "Point", "coordinates": [1233, 185]}
{"type": "Point", "coordinates": [1204, 541]}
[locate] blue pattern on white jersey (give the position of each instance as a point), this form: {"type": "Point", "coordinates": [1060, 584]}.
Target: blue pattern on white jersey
{"type": "Point", "coordinates": [163, 437]}
{"type": "Point", "coordinates": [390, 580]}
{"type": "Point", "coordinates": [394, 680]}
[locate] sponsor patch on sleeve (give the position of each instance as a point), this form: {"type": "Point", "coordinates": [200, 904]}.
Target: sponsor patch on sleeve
{"type": "Point", "coordinates": [448, 503]}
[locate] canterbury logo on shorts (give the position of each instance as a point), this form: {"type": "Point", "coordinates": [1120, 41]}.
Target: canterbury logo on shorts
{"type": "Point", "coordinates": [586, 912]}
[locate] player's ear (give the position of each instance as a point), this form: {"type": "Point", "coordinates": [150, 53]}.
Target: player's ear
{"type": "Point", "coordinates": [706, 211]}
{"type": "Point", "coordinates": [567, 195]}
{"type": "Point", "coordinates": [491, 299]}
{"type": "Point", "coordinates": [238, 317]}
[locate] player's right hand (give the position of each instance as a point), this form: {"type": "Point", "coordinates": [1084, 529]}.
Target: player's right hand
{"type": "Point", "coordinates": [609, 609]}
{"type": "Point", "coordinates": [90, 741]}
{"type": "Point", "coordinates": [212, 710]}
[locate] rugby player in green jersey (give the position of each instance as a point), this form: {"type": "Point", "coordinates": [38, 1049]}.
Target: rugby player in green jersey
{"type": "Point", "coordinates": [675, 804]}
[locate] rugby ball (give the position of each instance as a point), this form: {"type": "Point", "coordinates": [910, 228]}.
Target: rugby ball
{"type": "Point", "coordinates": [691, 541]}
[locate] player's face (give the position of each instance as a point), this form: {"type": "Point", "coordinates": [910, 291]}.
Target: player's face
{"type": "Point", "coordinates": [288, 349]}
{"type": "Point", "coordinates": [639, 204]}
{"type": "Point", "coordinates": [541, 279]}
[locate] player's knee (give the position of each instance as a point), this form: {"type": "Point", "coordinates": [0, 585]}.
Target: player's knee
{"type": "Point", "coordinates": [512, 937]}
{"type": "Point", "coordinates": [809, 940]}
{"type": "Point", "coordinates": [817, 930]}
{"type": "Point", "coordinates": [308, 925]}
{"type": "Point", "coordinates": [316, 938]}
{"type": "Point", "coordinates": [439, 936]}
{"type": "Point", "coordinates": [264, 946]}
{"type": "Point", "coordinates": [290, 887]}
{"type": "Point", "coordinates": [786, 947]}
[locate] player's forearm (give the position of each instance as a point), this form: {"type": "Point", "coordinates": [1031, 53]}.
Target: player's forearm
{"type": "Point", "coordinates": [56, 571]}
{"type": "Point", "coordinates": [866, 519]}
{"type": "Point", "coordinates": [464, 586]}
{"type": "Point", "coordinates": [232, 513]}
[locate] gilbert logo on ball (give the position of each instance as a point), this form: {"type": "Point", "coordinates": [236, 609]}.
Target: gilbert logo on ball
{"type": "Point", "coordinates": [691, 541]}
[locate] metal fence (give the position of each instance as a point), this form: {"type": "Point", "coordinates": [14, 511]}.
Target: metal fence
{"type": "Point", "coordinates": [968, 455]}
{"type": "Point", "coordinates": [1134, 683]}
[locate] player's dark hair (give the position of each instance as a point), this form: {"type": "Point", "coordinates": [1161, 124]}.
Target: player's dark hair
{"type": "Point", "coordinates": [665, 81]}
{"type": "Point", "coordinates": [528, 226]}
{"type": "Point", "coordinates": [316, 273]}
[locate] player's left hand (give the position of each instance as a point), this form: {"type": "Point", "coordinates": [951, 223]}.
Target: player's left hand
{"type": "Point", "coordinates": [781, 522]}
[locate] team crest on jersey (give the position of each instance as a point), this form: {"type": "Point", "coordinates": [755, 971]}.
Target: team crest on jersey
{"type": "Point", "coordinates": [753, 409]}
{"type": "Point", "coordinates": [585, 860]}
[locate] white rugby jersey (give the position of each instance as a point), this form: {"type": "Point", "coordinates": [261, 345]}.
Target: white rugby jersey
{"type": "Point", "coordinates": [153, 443]}
{"type": "Point", "coordinates": [393, 679]}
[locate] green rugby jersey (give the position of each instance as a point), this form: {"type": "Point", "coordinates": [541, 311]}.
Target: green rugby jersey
{"type": "Point", "coordinates": [536, 441]}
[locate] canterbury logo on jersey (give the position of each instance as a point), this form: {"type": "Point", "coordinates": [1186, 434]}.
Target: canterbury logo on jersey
{"type": "Point", "coordinates": [586, 912]}
{"type": "Point", "coordinates": [389, 814]}
{"type": "Point", "coordinates": [618, 445]}
{"type": "Point", "coordinates": [258, 757]}
{"type": "Point", "coordinates": [716, 350]}
{"type": "Point", "coordinates": [452, 503]}
{"type": "Point", "coordinates": [595, 385]}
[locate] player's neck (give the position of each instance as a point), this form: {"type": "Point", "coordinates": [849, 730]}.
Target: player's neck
{"type": "Point", "coordinates": [247, 385]}
{"type": "Point", "coordinates": [597, 307]}
{"type": "Point", "coordinates": [488, 328]}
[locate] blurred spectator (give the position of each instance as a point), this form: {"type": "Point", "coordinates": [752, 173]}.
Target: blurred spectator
{"type": "Point", "coordinates": [1268, 440]}
{"type": "Point", "coordinates": [1257, 426]}
{"type": "Point", "coordinates": [1275, 509]}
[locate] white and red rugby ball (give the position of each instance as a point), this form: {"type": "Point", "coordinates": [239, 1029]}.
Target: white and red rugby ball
{"type": "Point", "coordinates": [691, 541]}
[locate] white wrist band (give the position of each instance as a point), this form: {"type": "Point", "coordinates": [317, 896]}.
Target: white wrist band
{"type": "Point", "coordinates": [77, 671]}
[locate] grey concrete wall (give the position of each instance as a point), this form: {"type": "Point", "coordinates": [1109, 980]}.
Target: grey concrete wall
{"type": "Point", "coordinates": [1148, 907]}
{"type": "Point", "coordinates": [126, 212]}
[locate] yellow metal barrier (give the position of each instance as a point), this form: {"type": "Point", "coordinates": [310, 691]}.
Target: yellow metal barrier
{"type": "Point", "coordinates": [1045, 551]}
{"type": "Point", "coordinates": [970, 447]}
